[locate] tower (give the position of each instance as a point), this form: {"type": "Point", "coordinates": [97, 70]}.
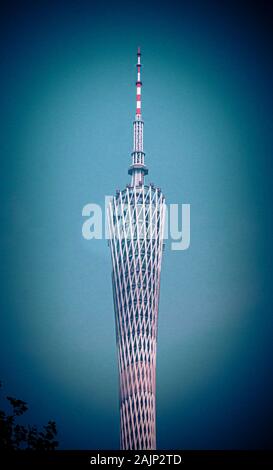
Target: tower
{"type": "Point", "coordinates": [136, 221]}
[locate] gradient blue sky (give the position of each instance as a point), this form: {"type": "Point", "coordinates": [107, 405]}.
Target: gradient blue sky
{"type": "Point", "coordinates": [67, 106]}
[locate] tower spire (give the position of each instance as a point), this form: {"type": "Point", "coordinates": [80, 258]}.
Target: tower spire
{"type": "Point", "coordinates": [138, 86]}
{"type": "Point", "coordinates": [138, 169]}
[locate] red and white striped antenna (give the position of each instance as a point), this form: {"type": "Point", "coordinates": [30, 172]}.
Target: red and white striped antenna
{"type": "Point", "coordinates": [138, 84]}
{"type": "Point", "coordinates": [138, 169]}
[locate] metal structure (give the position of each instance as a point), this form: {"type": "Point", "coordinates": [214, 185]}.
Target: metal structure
{"type": "Point", "coordinates": [136, 221]}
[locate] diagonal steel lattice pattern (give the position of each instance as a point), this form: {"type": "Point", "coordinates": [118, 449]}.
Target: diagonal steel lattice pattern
{"type": "Point", "coordinates": [136, 222]}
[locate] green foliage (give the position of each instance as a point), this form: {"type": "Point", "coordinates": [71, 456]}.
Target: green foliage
{"type": "Point", "coordinates": [15, 436]}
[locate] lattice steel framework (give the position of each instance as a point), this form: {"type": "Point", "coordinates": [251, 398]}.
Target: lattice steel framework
{"type": "Point", "coordinates": [136, 224]}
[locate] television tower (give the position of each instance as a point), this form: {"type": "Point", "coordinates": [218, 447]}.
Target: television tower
{"type": "Point", "coordinates": [136, 223]}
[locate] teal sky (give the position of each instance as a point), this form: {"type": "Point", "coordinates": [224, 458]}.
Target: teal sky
{"type": "Point", "coordinates": [67, 106]}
